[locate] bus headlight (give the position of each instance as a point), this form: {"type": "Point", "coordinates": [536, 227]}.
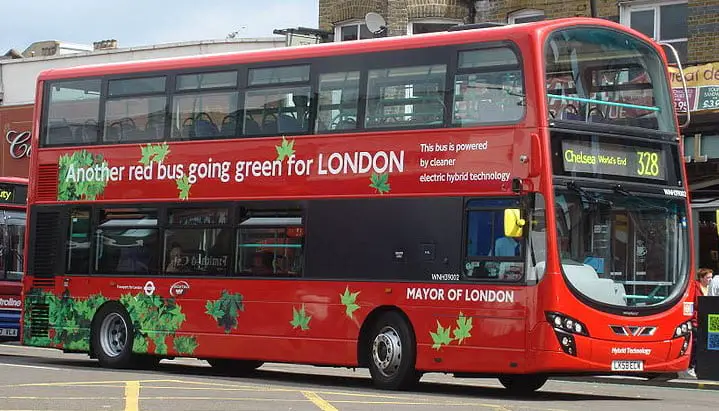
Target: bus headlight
{"type": "Point", "coordinates": [683, 329]}
{"type": "Point", "coordinates": [566, 323]}
{"type": "Point", "coordinates": [565, 327]}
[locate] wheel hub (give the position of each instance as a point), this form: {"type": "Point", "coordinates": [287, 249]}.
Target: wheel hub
{"type": "Point", "coordinates": [387, 351]}
{"type": "Point", "coordinates": [113, 335]}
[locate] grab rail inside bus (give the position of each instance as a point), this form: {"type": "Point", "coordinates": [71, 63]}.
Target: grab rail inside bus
{"type": "Point", "coordinates": [684, 83]}
{"type": "Point", "coordinates": [607, 103]}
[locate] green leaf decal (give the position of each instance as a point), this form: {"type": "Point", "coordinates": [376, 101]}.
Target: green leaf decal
{"type": "Point", "coordinates": [286, 149]}
{"type": "Point", "coordinates": [185, 345]}
{"type": "Point", "coordinates": [349, 300]}
{"type": "Point", "coordinates": [225, 310]}
{"type": "Point", "coordinates": [184, 186]}
{"type": "Point", "coordinates": [154, 318]}
{"type": "Point", "coordinates": [300, 318]}
{"type": "Point", "coordinates": [380, 182]}
{"type": "Point", "coordinates": [464, 326]}
{"type": "Point", "coordinates": [154, 152]}
{"type": "Point", "coordinates": [73, 182]}
{"type": "Point", "coordinates": [441, 337]}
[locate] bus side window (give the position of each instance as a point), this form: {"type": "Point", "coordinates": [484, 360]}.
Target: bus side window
{"type": "Point", "coordinates": [488, 87]}
{"type": "Point", "coordinates": [338, 97]}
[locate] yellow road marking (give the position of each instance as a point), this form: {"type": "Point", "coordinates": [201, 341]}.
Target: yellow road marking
{"type": "Point", "coordinates": [132, 396]}
{"type": "Point", "coordinates": [319, 401]}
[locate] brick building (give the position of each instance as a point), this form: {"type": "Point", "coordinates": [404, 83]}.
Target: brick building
{"type": "Point", "coordinates": [691, 26]}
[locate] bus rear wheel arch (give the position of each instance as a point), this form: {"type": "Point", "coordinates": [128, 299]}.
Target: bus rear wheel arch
{"type": "Point", "coordinates": [388, 348]}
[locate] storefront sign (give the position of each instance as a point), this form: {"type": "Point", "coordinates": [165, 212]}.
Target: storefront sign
{"type": "Point", "coordinates": [15, 139]}
{"type": "Point", "coordinates": [702, 86]}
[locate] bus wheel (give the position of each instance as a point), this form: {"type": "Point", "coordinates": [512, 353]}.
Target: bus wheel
{"type": "Point", "coordinates": [234, 367]}
{"type": "Point", "coordinates": [523, 384]}
{"type": "Point", "coordinates": [113, 336]}
{"type": "Point", "coordinates": [392, 353]}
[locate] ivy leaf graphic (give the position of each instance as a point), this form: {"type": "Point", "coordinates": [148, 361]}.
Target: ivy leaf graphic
{"type": "Point", "coordinates": [464, 326]}
{"type": "Point", "coordinates": [185, 345]}
{"type": "Point", "coordinates": [380, 182]}
{"type": "Point", "coordinates": [71, 188]}
{"type": "Point", "coordinates": [286, 149]}
{"type": "Point", "coordinates": [440, 337]}
{"type": "Point", "coordinates": [349, 301]}
{"type": "Point", "coordinates": [184, 186]}
{"type": "Point", "coordinates": [226, 310]}
{"type": "Point", "coordinates": [156, 153]}
{"type": "Point", "coordinates": [300, 318]}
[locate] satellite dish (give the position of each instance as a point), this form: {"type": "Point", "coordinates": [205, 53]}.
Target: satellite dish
{"type": "Point", "coordinates": [375, 22]}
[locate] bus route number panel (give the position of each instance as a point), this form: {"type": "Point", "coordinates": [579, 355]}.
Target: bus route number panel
{"type": "Point", "coordinates": [613, 160]}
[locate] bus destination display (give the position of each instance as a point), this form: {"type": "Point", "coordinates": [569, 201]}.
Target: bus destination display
{"type": "Point", "coordinates": [613, 160]}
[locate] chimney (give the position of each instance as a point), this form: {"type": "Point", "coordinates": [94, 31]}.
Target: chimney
{"type": "Point", "coordinates": [105, 45]}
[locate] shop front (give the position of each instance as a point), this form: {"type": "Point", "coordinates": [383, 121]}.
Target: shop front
{"type": "Point", "coordinates": [15, 125]}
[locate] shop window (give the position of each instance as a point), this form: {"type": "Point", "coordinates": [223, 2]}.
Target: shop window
{"type": "Point", "coordinates": [431, 25]}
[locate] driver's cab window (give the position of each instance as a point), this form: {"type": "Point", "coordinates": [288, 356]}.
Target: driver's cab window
{"type": "Point", "coordinates": [490, 254]}
{"type": "Point", "coordinates": [12, 241]}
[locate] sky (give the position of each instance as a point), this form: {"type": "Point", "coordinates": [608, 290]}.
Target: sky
{"type": "Point", "coordinates": [146, 22]}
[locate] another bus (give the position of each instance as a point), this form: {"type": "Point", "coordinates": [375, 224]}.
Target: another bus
{"type": "Point", "coordinates": [13, 200]}
{"type": "Point", "coordinates": [503, 201]}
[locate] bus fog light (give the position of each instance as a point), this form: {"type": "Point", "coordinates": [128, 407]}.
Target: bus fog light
{"type": "Point", "coordinates": [566, 341]}
{"type": "Point", "coordinates": [685, 345]}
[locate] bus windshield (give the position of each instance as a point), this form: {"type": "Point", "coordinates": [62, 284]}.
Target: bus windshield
{"type": "Point", "coordinates": [12, 241]}
{"type": "Point", "coordinates": [620, 249]}
{"type": "Point", "coordinates": [600, 75]}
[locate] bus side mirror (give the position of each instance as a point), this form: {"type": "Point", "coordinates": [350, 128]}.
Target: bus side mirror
{"type": "Point", "coordinates": [513, 222]}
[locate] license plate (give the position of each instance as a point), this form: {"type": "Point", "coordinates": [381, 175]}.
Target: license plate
{"type": "Point", "coordinates": [627, 365]}
{"type": "Point", "coordinates": [8, 332]}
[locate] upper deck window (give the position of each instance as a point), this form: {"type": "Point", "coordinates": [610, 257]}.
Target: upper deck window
{"type": "Point", "coordinates": [488, 87]}
{"type": "Point", "coordinates": [406, 96]}
{"type": "Point", "coordinates": [279, 75]}
{"type": "Point", "coordinates": [72, 113]}
{"type": "Point", "coordinates": [140, 111]}
{"type": "Point", "coordinates": [601, 75]}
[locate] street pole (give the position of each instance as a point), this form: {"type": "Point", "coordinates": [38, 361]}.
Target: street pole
{"type": "Point", "coordinates": [593, 7]}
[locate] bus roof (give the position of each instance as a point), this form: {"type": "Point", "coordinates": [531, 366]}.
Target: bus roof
{"type": "Point", "coordinates": [497, 33]}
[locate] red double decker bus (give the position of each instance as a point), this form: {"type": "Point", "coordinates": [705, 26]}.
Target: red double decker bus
{"type": "Point", "coordinates": [13, 200]}
{"type": "Point", "coordinates": [487, 201]}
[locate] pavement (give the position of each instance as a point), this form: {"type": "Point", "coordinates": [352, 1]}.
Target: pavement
{"type": "Point", "coordinates": [681, 380]}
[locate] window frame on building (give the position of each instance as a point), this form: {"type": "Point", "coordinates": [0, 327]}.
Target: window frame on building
{"type": "Point", "coordinates": [625, 18]}
{"type": "Point", "coordinates": [525, 16]}
{"type": "Point", "coordinates": [349, 23]}
{"type": "Point", "coordinates": [438, 21]}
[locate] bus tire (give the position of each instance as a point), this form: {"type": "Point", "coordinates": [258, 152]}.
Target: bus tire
{"type": "Point", "coordinates": [523, 384]}
{"type": "Point", "coordinates": [392, 353]}
{"type": "Point", "coordinates": [234, 367]}
{"type": "Point", "coordinates": [112, 337]}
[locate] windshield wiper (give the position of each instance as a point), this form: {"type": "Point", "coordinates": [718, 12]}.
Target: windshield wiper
{"type": "Point", "coordinates": [591, 197]}
{"type": "Point", "coordinates": [621, 190]}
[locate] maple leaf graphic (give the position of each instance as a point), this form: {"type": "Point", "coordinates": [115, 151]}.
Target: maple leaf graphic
{"type": "Point", "coordinates": [300, 318]}
{"type": "Point", "coordinates": [286, 149]}
{"type": "Point", "coordinates": [464, 326]}
{"type": "Point", "coordinates": [153, 152]}
{"type": "Point", "coordinates": [349, 300]}
{"type": "Point", "coordinates": [380, 182]}
{"type": "Point", "coordinates": [441, 337]}
{"type": "Point", "coordinates": [184, 186]}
